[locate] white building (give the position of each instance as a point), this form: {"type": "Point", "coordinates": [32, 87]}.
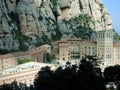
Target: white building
{"type": "Point", "coordinates": [24, 73]}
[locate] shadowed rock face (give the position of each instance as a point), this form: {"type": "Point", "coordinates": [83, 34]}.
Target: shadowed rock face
{"type": "Point", "coordinates": [36, 19]}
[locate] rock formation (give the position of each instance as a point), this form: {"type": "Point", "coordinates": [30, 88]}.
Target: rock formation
{"type": "Point", "coordinates": [71, 8]}
{"type": "Point", "coordinates": [25, 24]}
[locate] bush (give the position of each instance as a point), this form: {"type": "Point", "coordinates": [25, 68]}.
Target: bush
{"type": "Point", "coordinates": [72, 77]}
{"type": "Point", "coordinates": [21, 61]}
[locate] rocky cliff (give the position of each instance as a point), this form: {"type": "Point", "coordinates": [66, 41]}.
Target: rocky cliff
{"type": "Point", "coordinates": [25, 24]}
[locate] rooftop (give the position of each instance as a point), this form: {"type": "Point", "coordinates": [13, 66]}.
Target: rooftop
{"type": "Point", "coordinates": [21, 53]}
{"type": "Point", "coordinates": [17, 54]}
{"type": "Point", "coordinates": [116, 44]}
{"type": "Point", "coordinates": [23, 67]}
{"type": "Point", "coordinates": [6, 56]}
{"type": "Point", "coordinates": [90, 42]}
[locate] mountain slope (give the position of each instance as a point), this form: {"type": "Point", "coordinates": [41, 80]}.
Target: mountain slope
{"type": "Point", "coordinates": [25, 24]}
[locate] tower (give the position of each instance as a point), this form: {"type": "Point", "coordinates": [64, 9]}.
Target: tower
{"type": "Point", "coordinates": [63, 48]}
{"type": "Point", "coordinates": [105, 47]}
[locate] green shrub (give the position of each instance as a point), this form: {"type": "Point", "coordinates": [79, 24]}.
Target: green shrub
{"type": "Point", "coordinates": [21, 61]}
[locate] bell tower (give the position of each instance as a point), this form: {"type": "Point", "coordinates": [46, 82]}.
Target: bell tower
{"type": "Point", "coordinates": [105, 47]}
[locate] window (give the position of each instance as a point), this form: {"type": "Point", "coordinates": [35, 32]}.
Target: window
{"type": "Point", "coordinates": [89, 48]}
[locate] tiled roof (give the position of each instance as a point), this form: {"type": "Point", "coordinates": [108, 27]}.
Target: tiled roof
{"type": "Point", "coordinates": [55, 42]}
{"type": "Point", "coordinates": [17, 54]}
{"type": "Point", "coordinates": [74, 39]}
{"type": "Point", "coordinates": [33, 51]}
{"type": "Point", "coordinates": [23, 67]}
{"type": "Point", "coordinates": [91, 42]}
{"type": "Point", "coordinates": [63, 41]}
{"type": "Point", "coordinates": [116, 44]}
{"type": "Point", "coordinates": [6, 56]}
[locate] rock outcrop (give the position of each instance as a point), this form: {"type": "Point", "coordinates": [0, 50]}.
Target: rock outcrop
{"type": "Point", "coordinates": [72, 8]}
{"type": "Point", "coordinates": [25, 24]}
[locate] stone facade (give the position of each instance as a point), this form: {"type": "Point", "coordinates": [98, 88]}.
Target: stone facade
{"type": "Point", "coordinates": [116, 53]}
{"type": "Point", "coordinates": [75, 48]}
{"type": "Point", "coordinates": [7, 61]}
{"type": "Point", "coordinates": [24, 73]}
{"type": "Point", "coordinates": [37, 55]}
{"type": "Point", "coordinates": [105, 46]}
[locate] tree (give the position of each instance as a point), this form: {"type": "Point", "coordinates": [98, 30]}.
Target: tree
{"type": "Point", "coordinates": [72, 77]}
{"type": "Point", "coordinates": [83, 29]}
{"type": "Point", "coordinates": [15, 86]}
{"type": "Point", "coordinates": [85, 20]}
{"type": "Point", "coordinates": [5, 87]}
{"type": "Point", "coordinates": [25, 60]}
{"type": "Point", "coordinates": [12, 86]}
{"type": "Point", "coordinates": [49, 57]}
{"type": "Point", "coordinates": [116, 36]}
{"type": "Point", "coordinates": [112, 74]}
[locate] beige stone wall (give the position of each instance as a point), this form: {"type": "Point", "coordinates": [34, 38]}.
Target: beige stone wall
{"type": "Point", "coordinates": [105, 47]}
{"type": "Point", "coordinates": [26, 77]}
{"type": "Point", "coordinates": [46, 47]}
{"type": "Point", "coordinates": [63, 51]}
{"type": "Point", "coordinates": [11, 59]}
{"type": "Point", "coordinates": [116, 55]}
{"type": "Point", "coordinates": [24, 73]}
{"type": "Point", "coordinates": [38, 57]}
{"type": "Point", "coordinates": [75, 49]}
{"type": "Point", "coordinates": [73, 52]}
{"type": "Point", "coordinates": [7, 62]}
{"type": "Point", "coordinates": [89, 49]}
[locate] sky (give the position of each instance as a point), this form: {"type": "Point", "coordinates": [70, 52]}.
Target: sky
{"type": "Point", "coordinates": [113, 7]}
